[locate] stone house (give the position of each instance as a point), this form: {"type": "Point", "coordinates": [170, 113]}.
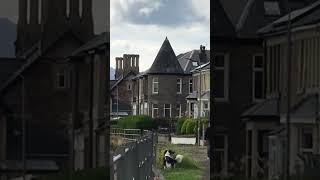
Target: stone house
{"type": "Point", "coordinates": [160, 91]}
{"type": "Point", "coordinates": [55, 44]}
{"type": "Point", "coordinates": [121, 88]}
{"type": "Point", "coordinates": [239, 75]}
{"type": "Point", "coordinates": [269, 116]}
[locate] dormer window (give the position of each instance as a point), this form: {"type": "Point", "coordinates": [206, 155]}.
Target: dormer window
{"type": "Point", "coordinates": [271, 8]}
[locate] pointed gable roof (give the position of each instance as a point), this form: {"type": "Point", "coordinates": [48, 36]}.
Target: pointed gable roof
{"type": "Point", "coordinates": [166, 61]}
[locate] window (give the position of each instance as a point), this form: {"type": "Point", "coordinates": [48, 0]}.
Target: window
{"type": "Point", "coordinates": [155, 110]}
{"type": "Point", "coordinates": [141, 108]}
{"type": "Point", "coordinates": [306, 140]}
{"type": "Point", "coordinates": [134, 109]}
{"type": "Point", "coordinates": [179, 110]}
{"type": "Point", "coordinates": [221, 77]}
{"type": "Point", "coordinates": [206, 106]}
{"type": "Point", "coordinates": [146, 108]}
{"type": "Point", "coordinates": [167, 110]}
{"type": "Point", "coordinates": [80, 8]}
{"type": "Point", "coordinates": [271, 8]}
{"type": "Point", "coordinates": [195, 64]}
{"type": "Point", "coordinates": [190, 86]}
{"type": "Point", "coordinates": [179, 86]}
{"type": "Point", "coordinates": [129, 86]}
{"type": "Point", "coordinates": [61, 78]}
{"type": "Point", "coordinates": [140, 87]}
{"type": "Point", "coordinates": [155, 85]}
{"type": "Point", "coordinates": [40, 11]}
{"type": "Point", "coordinates": [28, 11]}
{"type": "Point", "coordinates": [68, 8]}
{"type": "Point", "coordinates": [257, 79]}
{"type": "Point", "coordinates": [192, 107]}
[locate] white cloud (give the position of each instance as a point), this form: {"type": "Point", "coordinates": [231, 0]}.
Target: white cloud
{"type": "Point", "coordinates": [146, 40]}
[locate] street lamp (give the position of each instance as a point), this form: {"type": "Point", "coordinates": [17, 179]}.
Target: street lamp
{"type": "Point", "coordinates": [199, 104]}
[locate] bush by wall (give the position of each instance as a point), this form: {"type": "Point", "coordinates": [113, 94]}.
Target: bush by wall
{"type": "Point", "coordinates": [188, 126]}
{"type": "Point", "coordinates": [180, 124]}
{"type": "Point", "coordinates": [136, 122]}
{"type": "Point", "coordinates": [191, 127]}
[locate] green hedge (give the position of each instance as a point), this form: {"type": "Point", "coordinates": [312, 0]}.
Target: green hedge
{"type": "Point", "coordinates": [191, 127]}
{"type": "Point", "coordinates": [136, 122]}
{"type": "Point", "coordinates": [188, 126]}
{"type": "Point", "coordinates": [180, 124]}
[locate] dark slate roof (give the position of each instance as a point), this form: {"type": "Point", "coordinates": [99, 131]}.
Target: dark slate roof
{"type": "Point", "coordinates": [193, 95]}
{"type": "Point", "coordinates": [166, 61]}
{"type": "Point", "coordinates": [128, 76]}
{"type": "Point", "coordinates": [7, 68]}
{"type": "Point", "coordinates": [94, 43]}
{"type": "Point", "coordinates": [301, 17]}
{"type": "Point", "coordinates": [234, 9]}
{"type": "Point", "coordinates": [186, 64]}
{"type": "Point", "coordinates": [253, 16]}
{"type": "Point", "coordinates": [222, 26]}
{"type": "Point", "coordinates": [268, 107]}
{"type": "Point", "coordinates": [112, 82]}
{"type": "Point", "coordinates": [306, 109]}
{"type": "Point", "coordinates": [141, 74]}
{"type": "Point", "coordinates": [202, 67]}
{"type": "Point", "coordinates": [205, 95]}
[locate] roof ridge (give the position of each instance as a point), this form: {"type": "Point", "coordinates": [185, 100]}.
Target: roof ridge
{"type": "Point", "coordinates": [244, 15]}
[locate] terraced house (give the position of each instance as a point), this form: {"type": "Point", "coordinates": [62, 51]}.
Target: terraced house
{"type": "Point", "coordinates": [161, 91]}
{"type": "Point", "coordinates": [266, 122]}
{"type": "Point", "coordinates": [239, 76]}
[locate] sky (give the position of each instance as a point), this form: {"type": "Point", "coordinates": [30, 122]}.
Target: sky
{"type": "Point", "coordinates": [141, 26]}
{"type": "Point", "coordinates": [9, 9]}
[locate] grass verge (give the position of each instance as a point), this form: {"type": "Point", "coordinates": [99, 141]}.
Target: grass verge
{"type": "Point", "coordinates": [187, 170]}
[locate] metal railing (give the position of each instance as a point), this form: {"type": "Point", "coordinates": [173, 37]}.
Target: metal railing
{"type": "Point", "coordinates": [134, 160]}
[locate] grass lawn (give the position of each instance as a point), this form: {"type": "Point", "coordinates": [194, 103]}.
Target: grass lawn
{"type": "Point", "coordinates": [187, 170]}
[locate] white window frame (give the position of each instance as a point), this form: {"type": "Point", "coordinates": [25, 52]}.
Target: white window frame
{"type": "Point", "coordinates": [179, 82]}
{"type": "Point", "coordinates": [145, 110]}
{"type": "Point", "coordinates": [254, 69]}
{"type": "Point", "coordinates": [302, 149]}
{"type": "Point", "coordinates": [61, 72]}
{"type": "Point", "coordinates": [190, 85]}
{"type": "Point", "coordinates": [164, 110]}
{"type": "Point", "coordinates": [153, 109]}
{"type": "Point", "coordinates": [226, 77]}
{"type": "Point", "coordinates": [204, 107]}
{"type": "Point", "coordinates": [178, 107]}
{"type": "Point", "coordinates": [153, 85]}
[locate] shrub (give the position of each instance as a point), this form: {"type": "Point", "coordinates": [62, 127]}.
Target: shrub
{"type": "Point", "coordinates": [191, 127]}
{"type": "Point", "coordinates": [184, 126]}
{"type": "Point", "coordinates": [136, 122]}
{"type": "Point", "coordinates": [180, 124]}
